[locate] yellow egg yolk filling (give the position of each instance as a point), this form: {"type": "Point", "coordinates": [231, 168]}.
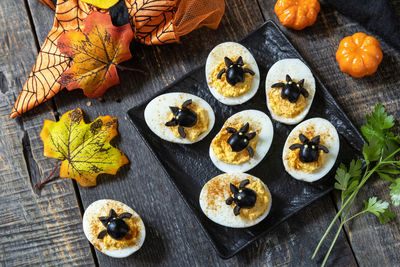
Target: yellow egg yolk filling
{"type": "Point", "coordinates": [107, 242]}
{"type": "Point", "coordinates": [293, 161]}
{"type": "Point", "coordinates": [223, 150]}
{"type": "Point", "coordinates": [224, 88]}
{"type": "Point", "coordinates": [283, 107]}
{"type": "Point", "coordinates": [262, 201]}
{"type": "Point", "coordinates": [128, 240]}
{"type": "Point", "coordinates": [293, 157]}
{"type": "Point", "coordinates": [193, 133]}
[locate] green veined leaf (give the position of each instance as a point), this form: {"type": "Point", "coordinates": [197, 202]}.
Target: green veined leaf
{"type": "Point", "coordinates": [369, 131]}
{"type": "Point", "coordinates": [389, 170]}
{"type": "Point", "coordinates": [355, 168]}
{"type": "Point", "coordinates": [385, 176]}
{"type": "Point", "coordinates": [377, 127]}
{"type": "Point", "coordinates": [377, 122]}
{"type": "Point", "coordinates": [347, 181]}
{"type": "Point", "coordinates": [380, 119]}
{"type": "Point", "coordinates": [342, 177]}
{"type": "Point", "coordinates": [395, 192]}
{"type": "Point", "coordinates": [379, 208]}
{"type": "Point", "coordinates": [391, 144]}
{"type": "Point", "coordinates": [372, 150]}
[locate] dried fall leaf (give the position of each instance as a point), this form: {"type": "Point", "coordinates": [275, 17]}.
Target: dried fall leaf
{"type": "Point", "coordinates": [95, 54]}
{"type": "Point", "coordinates": [84, 149]}
{"type": "Point", "coordinates": [154, 22]}
{"type": "Point", "coordinates": [105, 4]}
{"type": "Point", "coordinates": [41, 84]}
{"type": "Point", "coordinates": [48, 3]}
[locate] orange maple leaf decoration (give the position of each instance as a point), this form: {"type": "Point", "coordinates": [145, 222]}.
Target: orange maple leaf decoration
{"type": "Point", "coordinates": [42, 84]}
{"type": "Point", "coordinates": [96, 51]}
{"type": "Point", "coordinates": [154, 22]}
{"type": "Point", "coordinates": [83, 148]}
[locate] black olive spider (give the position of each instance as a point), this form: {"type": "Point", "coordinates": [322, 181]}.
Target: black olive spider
{"type": "Point", "coordinates": [183, 117]}
{"type": "Point", "coordinates": [309, 149]}
{"type": "Point", "coordinates": [291, 90]}
{"type": "Point", "coordinates": [242, 196]}
{"type": "Point", "coordinates": [116, 227]}
{"type": "Point", "coordinates": [235, 72]}
{"type": "Point", "coordinates": [239, 140]}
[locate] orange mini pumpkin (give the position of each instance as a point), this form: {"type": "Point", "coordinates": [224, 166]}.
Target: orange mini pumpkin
{"type": "Point", "coordinates": [359, 55]}
{"type": "Point", "coordinates": [297, 14]}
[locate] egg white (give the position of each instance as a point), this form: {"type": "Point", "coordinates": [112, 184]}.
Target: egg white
{"type": "Point", "coordinates": [157, 113]}
{"type": "Point", "coordinates": [216, 56]}
{"type": "Point", "coordinates": [321, 126]}
{"type": "Point", "coordinates": [223, 215]}
{"type": "Point", "coordinates": [256, 119]}
{"type": "Point", "coordinates": [92, 213]}
{"type": "Point", "coordinates": [297, 70]}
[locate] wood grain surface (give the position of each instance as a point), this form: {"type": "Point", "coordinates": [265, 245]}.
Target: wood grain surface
{"type": "Point", "coordinates": [177, 228]}
{"type": "Point", "coordinates": [48, 229]}
{"type": "Point", "coordinates": [36, 228]}
{"type": "Point", "coordinates": [357, 97]}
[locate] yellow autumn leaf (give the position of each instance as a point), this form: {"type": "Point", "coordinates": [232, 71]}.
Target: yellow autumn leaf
{"type": "Point", "coordinates": [104, 4]}
{"type": "Point", "coordinates": [84, 149]}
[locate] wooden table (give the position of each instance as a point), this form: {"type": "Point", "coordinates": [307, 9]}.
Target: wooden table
{"type": "Point", "coordinates": [45, 227]}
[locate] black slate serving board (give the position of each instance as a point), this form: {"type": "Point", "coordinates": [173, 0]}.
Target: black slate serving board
{"type": "Point", "coordinates": [189, 166]}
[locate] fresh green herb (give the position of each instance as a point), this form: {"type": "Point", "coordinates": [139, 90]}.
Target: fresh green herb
{"type": "Point", "coordinates": [395, 192]}
{"type": "Point", "coordinates": [380, 152]}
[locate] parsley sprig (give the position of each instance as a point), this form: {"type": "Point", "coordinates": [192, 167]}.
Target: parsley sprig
{"type": "Point", "coordinates": [380, 152]}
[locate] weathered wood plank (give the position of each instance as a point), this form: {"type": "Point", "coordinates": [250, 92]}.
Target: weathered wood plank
{"type": "Point", "coordinates": [373, 244]}
{"type": "Point", "coordinates": [174, 236]}
{"type": "Point", "coordinates": [35, 229]}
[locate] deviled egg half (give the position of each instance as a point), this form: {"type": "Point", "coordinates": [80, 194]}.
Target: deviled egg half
{"type": "Point", "coordinates": [179, 117]}
{"type": "Point", "coordinates": [290, 90]}
{"type": "Point", "coordinates": [113, 228]}
{"type": "Point", "coordinates": [311, 150]}
{"type": "Point", "coordinates": [232, 73]}
{"type": "Point", "coordinates": [235, 200]}
{"type": "Point", "coordinates": [243, 141]}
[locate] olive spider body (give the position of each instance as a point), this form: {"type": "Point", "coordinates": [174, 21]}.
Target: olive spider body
{"type": "Point", "coordinates": [116, 227]}
{"type": "Point", "coordinates": [309, 149]}
{"type": "Point", "coordinates": [243, 197]}
{"type": "Point", "coordinates": [235, 73]}
{"type": "Point", "coordinates": [240, 140]}
{"type": "Point", "coordinates": [291, 90]}
{"type": "Point", "coordinates": [183, 117]}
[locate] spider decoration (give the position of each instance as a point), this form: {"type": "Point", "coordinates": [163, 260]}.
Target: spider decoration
{"type": "Point", "coordinates": [309, 149]}
{"type": "Point", "coordinates": [239, 140]}
{"type": "Point", "coordinates": [291, 90]}
{"type": "Point", "coordinates": [116, 227]}
{"type": "Point", "coordinates": [183, 117]}
{"type": "Point", "coordinates": [235, 72]}
{"type": "Point", "coordinates": [242, 196]}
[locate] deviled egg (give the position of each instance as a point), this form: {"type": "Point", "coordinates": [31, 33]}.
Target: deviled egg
{"type": "Point", "coordinates": [232, 73]}
{"type": "Point", "coordinates": [243, 141]}
{"type": "Point", "coordinates": [290, 90]}
{"type": "Point", "coordinates": [113, 228]}
{"type": "Point", "coordinates": [311, 150]}
{"type": "Point", "coordinates": [179, 117]}
{"type": "Point", "coordinates": [235, 200]}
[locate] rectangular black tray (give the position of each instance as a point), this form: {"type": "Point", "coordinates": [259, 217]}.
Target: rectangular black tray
{"type": "Point", "coordinates": [189, 166]}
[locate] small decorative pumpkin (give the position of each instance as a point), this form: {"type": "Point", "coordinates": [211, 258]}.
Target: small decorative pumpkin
{"type": "Point", "coordinates": [359, 55]}
{"type": "Point", "coordinates": [297, 14]}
